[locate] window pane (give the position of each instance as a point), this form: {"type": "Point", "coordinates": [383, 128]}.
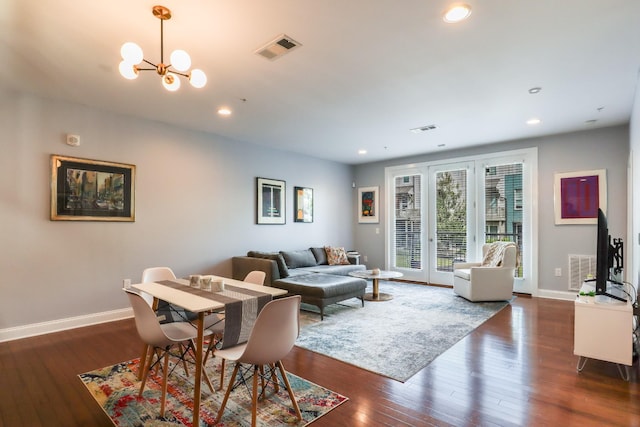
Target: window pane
{"type": "Point", "coordinates": [408, 222]}
{"type": "Point", "coordinates": [503, 206]}
{"type": "Point", "coordinates": [451, 220]}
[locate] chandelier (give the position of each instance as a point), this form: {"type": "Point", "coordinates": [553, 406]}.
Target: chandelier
{"type": "Point", "coordinates": [133, 59]}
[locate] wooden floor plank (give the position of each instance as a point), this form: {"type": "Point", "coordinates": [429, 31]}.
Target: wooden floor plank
{"type": "Point", "coordinates": [518, 368]}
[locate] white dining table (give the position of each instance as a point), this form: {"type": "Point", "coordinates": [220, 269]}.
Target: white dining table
{"type": "Point", "coordinates": [202, 306]}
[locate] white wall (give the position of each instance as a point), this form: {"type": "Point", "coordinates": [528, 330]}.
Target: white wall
{"type": "Point", "coordinates": [195, 207]}
{"type": "Point", "coordinates": [605, 148]}
{"type": "Point", "coordinates": [634, 187]}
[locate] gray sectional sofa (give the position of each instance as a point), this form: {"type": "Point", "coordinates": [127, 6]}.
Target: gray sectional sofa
{"type": "Point", "coordinates": [306, 273]}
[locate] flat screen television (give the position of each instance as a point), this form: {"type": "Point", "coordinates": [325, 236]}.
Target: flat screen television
{"type": "Point", "coordinates": [606, 255]}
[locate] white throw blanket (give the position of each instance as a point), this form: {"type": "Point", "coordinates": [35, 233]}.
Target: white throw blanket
{"type": "Point", "coordinates": [493, 257]}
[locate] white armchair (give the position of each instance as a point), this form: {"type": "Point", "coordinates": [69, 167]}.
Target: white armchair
{"type": "Point", "coordinates": [489, 280]}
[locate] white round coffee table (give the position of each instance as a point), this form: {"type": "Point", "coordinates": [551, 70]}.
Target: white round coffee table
{"type": "Point", "coordinates": [376, 295]}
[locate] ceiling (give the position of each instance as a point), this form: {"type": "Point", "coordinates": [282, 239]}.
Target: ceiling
{"type": "Point", "coordinates": [367, 72]}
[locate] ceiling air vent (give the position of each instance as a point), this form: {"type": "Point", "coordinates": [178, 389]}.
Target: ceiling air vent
{"type": "Point", "coordinates": [278, 47]}
{"type": "Point", "coordinates": [423, 128]}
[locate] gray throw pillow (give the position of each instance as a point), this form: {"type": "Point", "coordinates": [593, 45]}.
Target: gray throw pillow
{"type": "Point", "coordinates": [321, 255]}
{"type": "Point", "coordinates": [297, 259]}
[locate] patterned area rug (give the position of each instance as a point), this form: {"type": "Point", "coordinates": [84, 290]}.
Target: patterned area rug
{"type": "Point", "coordinates": [395, 338]}
{"type": "Point", "coordinates": [115, 389]}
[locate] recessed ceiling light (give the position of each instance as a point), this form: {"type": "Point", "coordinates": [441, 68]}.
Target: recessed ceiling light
{"type": "Point", "coordinates": [534, 121]}
{"type": "Point", "coordinates": [224, 111]}
{"type": "Point", "coordinates": [362, 151]}
{"type": "Point", "coordinates": [457, 13]}
{"type": "Point", "coordinates": [535, 90]}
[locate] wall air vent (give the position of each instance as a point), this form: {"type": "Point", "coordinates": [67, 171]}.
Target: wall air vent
{"type": "Point", "coordinates": [423, 129]}
{"type": "Point", "coordinates": [579, 267]}
{"type": "Point", "coordinates": [278, 47]}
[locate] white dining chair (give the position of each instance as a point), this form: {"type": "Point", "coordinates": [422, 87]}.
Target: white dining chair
{"type": "Point", "coordinates": [256, 277]}
{"type": "Point", "coordinates": [161, 338]}
{"type": "Point", "coordinates": [272, 338]}
{"type": "Point", "coordinates": [154, 274]}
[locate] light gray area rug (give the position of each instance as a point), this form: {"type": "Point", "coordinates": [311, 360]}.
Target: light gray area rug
{"type": "Point", "coordinates": [395, 338]}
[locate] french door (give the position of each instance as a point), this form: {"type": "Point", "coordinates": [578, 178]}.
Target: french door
{"type": "Point", "coordinates": [430, 226]}
{"type": "Point", "coordinates": [443, 213]}
{"type": "Point", "coordinates": [407, 223]}
{"type": "Point", "coordinates": [451, 224]}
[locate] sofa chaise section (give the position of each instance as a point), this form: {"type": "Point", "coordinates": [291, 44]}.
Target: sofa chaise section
{"type": "Point", "coordinates": [321, 289]}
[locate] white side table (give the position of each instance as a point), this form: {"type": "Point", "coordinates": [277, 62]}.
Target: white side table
{"type": "Point", "coordinates": [376, 295]}
{"type": "Point", "coordinates": [604, 331]}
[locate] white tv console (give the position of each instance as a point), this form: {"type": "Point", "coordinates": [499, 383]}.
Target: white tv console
{"type": "Point", "coordinates": [603, 330]}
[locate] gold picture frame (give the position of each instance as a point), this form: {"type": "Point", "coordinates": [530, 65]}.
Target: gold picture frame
{"type": "Point", "coordinates": [91, 190]}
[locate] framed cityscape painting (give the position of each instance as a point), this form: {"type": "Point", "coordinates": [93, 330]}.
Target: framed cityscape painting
{"type": "Point", "coordinates": [91, 190]}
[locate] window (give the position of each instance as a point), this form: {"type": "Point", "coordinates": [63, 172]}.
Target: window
{"type": "Point", "coordinates": [517, 199]}
{"type": "Point", "coordinates": [408, 222]}
{"type": "Point", "coordinates": [457, 215]}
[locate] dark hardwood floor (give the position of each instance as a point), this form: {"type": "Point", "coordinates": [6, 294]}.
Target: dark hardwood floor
{"type": "Point", "coordinates": [516, 369]}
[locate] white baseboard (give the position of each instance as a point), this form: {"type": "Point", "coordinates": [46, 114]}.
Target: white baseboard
{"type": "Point", "coordinates": [35, 329]}
{"type": "Point", "coordinates": [563, 295]}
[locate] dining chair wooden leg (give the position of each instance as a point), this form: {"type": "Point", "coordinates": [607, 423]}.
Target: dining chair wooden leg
{"type": "Point", "coordinates": [254, 397]}
{"type": "Point", "coordinates": [143, 360]}
{"type": "Point", "coordinates": [207, 379]}
{"type": "Point", "coordinates": [222, 368]}
{"type": "Point", "coordinates": [291, 396]}
{"type": "Point", "coordinates": [192, 348]}
{"type": "Point", "coordinates": [211, 349]}
{"type": "Point", "coordinates": [262, 380]}
{"type": "Point", "coordinates": [146, 367]}
{"type": "Point", "coordinates": [158, 355]}
{"type": "Point", "coordinates": [226, 395]}
{"type": "Point", "coordinates": [274, 377]}
{"type": "Point", "coordinates": [165, 375]}
{"type": "Point", "coordinates": [184, 351]}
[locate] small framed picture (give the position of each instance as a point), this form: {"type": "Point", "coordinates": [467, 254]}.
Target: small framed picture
{"type": "Point", "coordinates": [578, 195]}
{"type": "Point", "coordinates": [91, 190]}
{"type": "Point", "coordinates": [302, 204]}
{"type": "Point", "coordinates": [271, 201]}
{"type": "Point", "coordinates": [368, 205]}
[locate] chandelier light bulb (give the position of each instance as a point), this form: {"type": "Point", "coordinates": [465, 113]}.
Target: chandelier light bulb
{"type": "Point", "coordinates": [128, 71]}
{"type": "Point", "coordinates": [131, 53]}
{"type": "Point", "coordinates": [180, 60]}
{"type": "Point", "coordinates": [198, 78]}
{"type": "Point", "coordinates": [171, 82]}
